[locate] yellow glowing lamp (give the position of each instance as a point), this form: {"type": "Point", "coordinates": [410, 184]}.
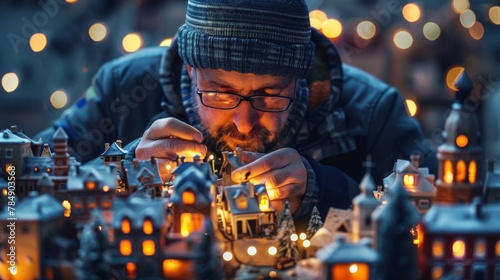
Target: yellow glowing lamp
{"type": "Point", "coordinates": [462, 140]}
{"type": "Point", "coordinates": [448, 172]}
{"type": "Point", "coordinates": [356, 271]}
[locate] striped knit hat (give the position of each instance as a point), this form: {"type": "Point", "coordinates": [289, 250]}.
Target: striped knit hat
{"type": "Point", "coordinates": [248, 36]}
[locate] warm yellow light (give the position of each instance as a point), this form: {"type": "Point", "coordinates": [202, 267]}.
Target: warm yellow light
{"type": "Point", "coordinates": [477, 30]}
{"type": "Point", "coordinates": [59, 99]}
{"type": "Point", "coordinates": [411, 12]}
{"type": "Point", "coordinates": [460, 6]}
{"type": "Point", "coordinates": [437, 272]}
{"type": "Point", "coordinates": [125, 247]}
{"type": "Point", "coordinates": [148, 247]}
{"type": "Point", "coordinates": [90, 185]}
{"type": "Point", "coordinates": [472, 172]}
{"type": "Point", "coordinates": [316, 23]}
{"type": "Point", "coordinates": [467, 18]}
{"type": "Point", "coordinates": [105, 188]}
{"type": "Point", "coordinates": [168, 167]}
{"type": "Point", "coordinates": [332, 28]}
{"type": "Point", "coordinates": [38, 42]}
{"type": "Point", "coordinates": [67, 208]}
{"type": "Point", "coordinates": [461, 171]}
{"type": "Point", "coordinates": [4, 192]}
{"type": "Point", "coordinates": [147, 227]}
{"type": "Point", "coordinates": [437, 248]}
{"type": "Point", "coordinates": [252, 251]}
{"type": "Point", "coordinates": [227, 256]}
{"type": "Point", "coordinates": [71, 1]}
{"type": "Point", "coordinates": [494, 14]}
{"type": "Point", "coordinates": [409, 180]}
{"type": "Point", "coordinates": [412, 107]}
{"type": "Point", "coordinates": [191, 222]}
{"type": "Point", "coordinates": [98, 32]}
{"type": "Point", "coordinates": [497, 249]}
{"type": "Point", "coordinates": [126, 226]}
{"type": "Point", "coordinates": [242, 202]}
{"type": "Point", "coordinates": [366, 29]}
{"type": "Point", "coordinates": [462, 140]}
{"type": "Point", "coordinates": [10, 82]}
{"type": "Point", "coordinates": [294, 237]}
{"type": "Point", "coordinates": [353, 268]}
{"type": "Point", "coordinates": [318, 15]}
{"type": "Point", "coordinates": [302, 236]}
{"type": "Point", "coordinates": [132, 42]}
{"type": "Point", "coordinates": [403, 39]}
{"type": "Point", "coordinates": [272, 250]}
{"type": "Point", "coordinates": [166, 43]}
{"type": "Point", "coordinates": [448, 172]}
{"type": "Point", "coordinates": [431, 31]}
{"type": "Point", "coordinates": [458, 249]}
{"type": "Point", "coordinates": [306, 243]}
{"type": "Point", "coordinates": [188, 197]}
{"type": "Point", "coordinates": [131, 269]}
{"type": "Point", "coordinates": [452, 75]}
{"type": "Point", "coordinates": [272, 274]}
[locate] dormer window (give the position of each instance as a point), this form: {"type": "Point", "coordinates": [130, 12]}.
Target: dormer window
{"type": "Point", "coordinates": [188, 197]}
{"type": "Point", "coordinates": [90, 185]}
{"type": "Point", "coordinates": [242, 202]}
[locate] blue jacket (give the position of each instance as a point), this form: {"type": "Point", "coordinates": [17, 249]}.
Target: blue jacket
{"type": "Point", "coordinates": [128, 93]}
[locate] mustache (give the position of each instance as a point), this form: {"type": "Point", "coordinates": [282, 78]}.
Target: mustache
{"type": "Point", "coordinates": [258, 139]}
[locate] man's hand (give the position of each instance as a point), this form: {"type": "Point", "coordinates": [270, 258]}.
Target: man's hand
{"type": "Point", "coordinates": [168, 138]}
{"type": "Point", "coordinates": [282, 170]}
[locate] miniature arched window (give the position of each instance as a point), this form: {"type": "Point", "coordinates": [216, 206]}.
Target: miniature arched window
{"type": "Point", "coordinates": [125, 247]}
{"type": "Point", "coordinates": [131, 269]}
{"type": "Point", "coordinates": [458, 249]}
{"type": "Point", "coordinates": [188, 197]}
{"type": "Point", "coordinates": [148, 247]}
{"type": "Point", "coordinates": [472, 172]}
{"type": "Point", "coordinates": [409, 180]}
{"type": "Point", "coordinates": [480, 248]}
{"type": "Point", "coordinates": [125, 226]}
{"type": "Point", "coordinates": [105, 202]}
{"type": "Point", "coordinates": [448, 172]}
{"type": "Point", "coordinates": [437, 248]}
{"type": "Point", "coordinates": [242, 202]}
{"type": "Point", "coordinates": [147, 226]}
{"type": "Point", "coordinates": [461, 171]}
{"type": "Point", "coordinates": [264, 203]}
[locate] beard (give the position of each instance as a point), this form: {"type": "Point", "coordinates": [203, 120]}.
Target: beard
{"type": "Point", "coordinates": [227, 138]}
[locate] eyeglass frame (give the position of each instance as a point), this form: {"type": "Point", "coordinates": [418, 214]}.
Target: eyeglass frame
{"type": "Point", "coordinates": [246, 98]}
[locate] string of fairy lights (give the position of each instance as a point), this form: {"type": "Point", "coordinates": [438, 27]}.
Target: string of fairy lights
{"type": "Point", "coordinates": [331, 27]}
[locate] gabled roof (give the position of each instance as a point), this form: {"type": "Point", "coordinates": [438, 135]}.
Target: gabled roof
{"type": "Point", "coordinates": [193, 179]}
{"type": "Point", "coordinates": [340, 251]}
{"type": "Point", "coordinates": [41, 163]}
{"type": "Point", "coordinates": [233, 192]}
{"type": "Point", "coordinates": [36, 208]}
{"type": "Point", "coordinates": [137, 209]}
{"type": "Point", "coordinates": [60, 134]}
{"type": "Point", "coordinates": [204, 167]}
{"type": "Point", "coordinates": [114, 150]}
{"type": "Point", "coordinates": [336, 218]}
{"type": "Point", "coordinates": [402, 167]}
{"type": "Point", "coordinates": [103, 174]}
{"type": "Point", "coordinates": [133, 170]}
{"type": "Point", "coordinates": [6, 136]}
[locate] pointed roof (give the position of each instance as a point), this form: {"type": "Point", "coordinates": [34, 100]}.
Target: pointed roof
{"type": "Point", "coordinates": [335, 218]}
{"type": "Point", "coordinates": [194, 179]}
{"type": "Point", "coordinates": [46, 151]}
{"type": "Point", "coordinates": [6, 136]}
{"type": "Point", "coordinates": [37, 207]}
{"type": "Point", "coordinates": [133, 170]}
{"type": "Point", "coordinates": [114, 150]}
{"type": "Point", "coordinates": [367, 187]}
{"type": "Point", "coordinates": [137, 209]}
{"type": "Point", "coordinates": [60, 134]}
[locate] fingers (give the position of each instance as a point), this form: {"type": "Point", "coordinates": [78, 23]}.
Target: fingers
{"type": "Point", "coordinates": [174, 128]}
{"type": "Point", "coordinates": [248, 157]}
{"type": "Point", "coordinates": [263, 163]}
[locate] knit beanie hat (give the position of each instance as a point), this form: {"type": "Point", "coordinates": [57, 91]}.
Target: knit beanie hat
{"type": "Point", "coordinates": [248, 36]}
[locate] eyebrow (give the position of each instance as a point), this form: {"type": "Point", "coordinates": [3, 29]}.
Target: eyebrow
{"type": "Point", "coordinates": [278, 85]}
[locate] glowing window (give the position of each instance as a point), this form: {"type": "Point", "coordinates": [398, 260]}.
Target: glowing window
{"type": "Point", "coordinates": [458, 249]}
{"type": "Point", "coordinates": [148, 247]}
{"type": "Point", "coordinates": [409, 180]}
{"type": "Point", "coordinates": [125, 225]}
{"type": "Point", "coordinates": [437, 272]}
{"type": "Point", "coordinates": [462, 141]}
{"type": "Point", "coordinates": [125, 247]}
{"type": "Point", "coordinates": [131, 269]}
{"type": "Point", "coordinates": [448, 172]}
{"type": "Point", "coordinates": [190, 222]}
{"type": "Point", "coordinates": [264, 203]}
{"type": "Point", "coordinates": [90, 185]}
{"type": "Point", "coordinates": [91, 203]}
{"type": "Point", "coordinates": [497, 249]}
{"type": "Point", "coordinates": [480, 248]}
{"type": "Point", "coordinates": [188, 197]}
{"type": "Point", "coordinates": [147, 226]}
{"type": "Point", "coordinates": [67, 208]}
{"type": "Point", "coordinates": [437, 248]}
{"type": "Point", "coordinates": [242, 202]}
{"type": "Point", "coordinates": [177, 269]}
{"type": "Point", "coordinates": [351, 271]}
{"type": "Point", "coordinates": [461, 171]}
{"type": "Point", "coordinates": [472, 172]}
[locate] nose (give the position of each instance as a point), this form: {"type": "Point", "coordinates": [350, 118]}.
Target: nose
{"type": "Point", "coordinates": [245, 117]}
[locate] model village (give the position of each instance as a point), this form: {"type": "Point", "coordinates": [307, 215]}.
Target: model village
{"type": "Point", "coordinates": [121, 219]}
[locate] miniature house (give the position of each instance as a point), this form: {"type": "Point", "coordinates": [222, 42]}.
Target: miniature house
{"type": "Point", "coordinates": [114, 154]}
{"type": "Point", "coordinates": [35, 145]}
{"type": "Point", "coordinates": [344, 261]}
{"type": "Point", "coordinates": [461, 155]}
{"type": "Point", "coordinates": [363, 206]}
{"type": "Point", "coordinates": [492, 184]}
{"type": "Point", "coordinates": [231, 161]}
{"type": "Point", "coordinates": [338, 221]}
{"type": "Point", "coordinates": [461, 236]}
{"type": "Point", "coordinates": [417, 182]}
{"type": "Point", "coordinates": [142, 173]}
{"type": "Point", "coordinates": [33, 170]}
{"type": "Point", "coordinates": [13, 150]}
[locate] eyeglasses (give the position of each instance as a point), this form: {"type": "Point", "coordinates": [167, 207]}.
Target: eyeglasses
{"type": "Point", "coordinates": [228, 100]}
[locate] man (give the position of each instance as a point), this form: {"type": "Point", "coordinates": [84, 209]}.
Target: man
{"type": "Point", "coordinates": [251, 75]}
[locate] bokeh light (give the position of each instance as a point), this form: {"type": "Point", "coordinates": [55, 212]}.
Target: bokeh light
{"type": "Point", "coordinates": [38, 42]}
{"type": "Point", "coordinates": [403, 39]}
{"type": "Point", "coordinates": [366, 29]}
{"type": "Point", "coordinates": [460, 6]}
{"type": "Point", "coordinates": [98, 32]}
{"type": "Point", "coordinates": [227, 256]}
{"type": "Point", "coordinates": [272, 250]}
{"type": "Point", "coordinates": [431, 31]}
{"type": "Point", "coordinates": [451, 76]}
{"type": "Point", "coordinates": [467, 18]}
{"type": "Point", "coordinates": [132, 42]}
{"type": "Point", "coordinates": [332, 28]}
{"type": "Point", "coordinates": [494, 14]}
{"type": "Point", "coordinates": [319, 15]}
{"type": "Point", "coordinates": [252, 251]}
{"type": "Point", "coordinates": [477, 31]}
{"type": "Point", "coordinates": [411, 12]}
{"type": "Point", "coordinates": [166, 43]}
{"type": "Point", "coordinates": [412, 107]}
{"type": "Point", "coordinates": [59, 99]}
{"type": "Point", "coordinates": [10, 82]}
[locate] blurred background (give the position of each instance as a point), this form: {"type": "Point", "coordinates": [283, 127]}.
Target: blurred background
{"type": "Point", "coordinates": [50, 50]}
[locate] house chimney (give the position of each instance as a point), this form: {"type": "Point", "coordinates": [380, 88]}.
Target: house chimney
{"type": "Point", "coordinates": [251, 189]}
{"type": "Point", "coordinates": [106, 146]}
{"type": "Point", "coordinates": [119, 143]}
{"type": "Point", "coordinates": [136, 163]}
{"type": "Point", "coordinates": [238, 156]}
{"type": "Point", "coordinates": [153, 160]}
{"type": "Point", "coordinates": [415, 160]}
{"type": "Point", "coordinates": [14, 129]}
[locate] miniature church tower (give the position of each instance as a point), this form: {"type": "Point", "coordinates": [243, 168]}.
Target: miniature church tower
{"type": "Point", "coordinates": [460, 156]}
{"type": "Point", "coordinates": [363, 206]}
{"type": "Point", "coordinates": [61, 156]}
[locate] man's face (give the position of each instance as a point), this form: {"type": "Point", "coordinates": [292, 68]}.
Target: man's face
{"type": "Point", "coordinates": [243, 126]}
